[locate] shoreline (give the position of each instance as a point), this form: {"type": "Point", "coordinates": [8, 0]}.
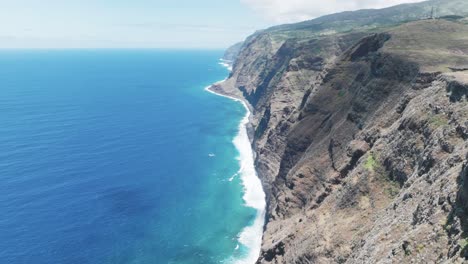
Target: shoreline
{"type": "Point", "coordinates": [226, 63]}
{"type": "Point", "coordinates": [254, 196]}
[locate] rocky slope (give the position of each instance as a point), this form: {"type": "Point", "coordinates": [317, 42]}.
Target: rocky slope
{"type": "Point", "coordinates": [232, 52]}
{"type": "Point", "coordinates": [361, 140]}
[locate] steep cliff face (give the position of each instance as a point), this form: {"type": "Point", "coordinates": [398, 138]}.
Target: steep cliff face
{"type": "Point", "coordinates": [231, 54]}
{"type": "Point", "coordinates": [361, 141]}
{"type": "Point", "coordinates": [355, 170]}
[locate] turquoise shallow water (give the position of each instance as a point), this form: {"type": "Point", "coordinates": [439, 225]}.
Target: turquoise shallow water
{"type": "Point", "coordinates": [118, 157]}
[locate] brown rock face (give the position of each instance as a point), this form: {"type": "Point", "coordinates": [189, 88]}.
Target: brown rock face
{"type": "Point", "coordinates": [361, 141]}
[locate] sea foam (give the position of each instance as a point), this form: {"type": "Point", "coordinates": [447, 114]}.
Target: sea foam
{"type": "Point", "coordinates": [226, 63]}
{"type": "Point", "coordinates": [254, 196]}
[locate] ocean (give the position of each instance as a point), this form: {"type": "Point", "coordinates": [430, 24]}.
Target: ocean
{"type": "Point", "coordinates": [122, 156]}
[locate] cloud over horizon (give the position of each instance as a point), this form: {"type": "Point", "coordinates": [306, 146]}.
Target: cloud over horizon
{"type": "Point", "coordinates": [289, 11]}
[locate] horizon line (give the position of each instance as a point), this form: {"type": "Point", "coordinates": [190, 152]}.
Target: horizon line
{"type": "Point", "coordinates": [109, 48]}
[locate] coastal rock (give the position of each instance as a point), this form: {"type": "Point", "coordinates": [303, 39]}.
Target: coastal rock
{"type": "Point", "coordinates": [361, 142]}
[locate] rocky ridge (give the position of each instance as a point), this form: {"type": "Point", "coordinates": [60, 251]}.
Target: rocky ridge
{"type": "Point", "coordinates": [361, 141]}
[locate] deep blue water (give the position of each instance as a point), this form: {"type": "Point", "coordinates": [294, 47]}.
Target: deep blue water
{"type": "Point", "coordinates": [105, 158]}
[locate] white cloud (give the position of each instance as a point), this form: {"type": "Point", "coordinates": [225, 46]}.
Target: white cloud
{"type": "Point", "coordinates": [287, 11]}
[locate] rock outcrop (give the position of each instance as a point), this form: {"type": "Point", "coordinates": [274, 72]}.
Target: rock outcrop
{"type": "Point", "coordinates": [361, 140]}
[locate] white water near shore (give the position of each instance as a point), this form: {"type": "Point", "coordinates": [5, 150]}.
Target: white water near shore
{"type": "Point", "coordinates": [225, 63]}
{"type": "Point", "coordinates": [254, 196]}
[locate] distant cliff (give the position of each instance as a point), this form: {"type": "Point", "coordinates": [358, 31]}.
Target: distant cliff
{"type": "Point", "coordinates": [232, 52]}
{"type": "Point", "coordinates": [361, 135]}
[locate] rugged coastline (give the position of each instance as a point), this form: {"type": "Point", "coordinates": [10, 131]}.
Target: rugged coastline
{"type": "Point", "coordinates": [360, 137]}
{"type": "Point", "coordinates": [254, 196]}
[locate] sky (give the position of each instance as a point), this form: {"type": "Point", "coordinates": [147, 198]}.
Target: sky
{"type": "Point", "coordinates": [185, 24]}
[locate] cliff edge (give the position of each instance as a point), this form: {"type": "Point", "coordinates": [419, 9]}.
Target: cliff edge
{"type": "Point", "coordinates": [361, 141]}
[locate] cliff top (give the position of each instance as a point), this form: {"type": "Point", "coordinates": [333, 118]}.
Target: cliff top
{"type": "Point", "coordinates": [436, 45]}
{"type": "Point", "coordinates": [368, 20]}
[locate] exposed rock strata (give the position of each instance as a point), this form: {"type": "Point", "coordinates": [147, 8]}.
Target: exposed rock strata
{"type": "Point", "coordinates": [361, 142]}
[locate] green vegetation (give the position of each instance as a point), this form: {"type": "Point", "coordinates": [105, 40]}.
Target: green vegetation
{"type": "Point", "coordinates": [392, 188]}
{"type": "Point", "coordinates": [369, 20]}
{"type": "Point", "coordinates": [371, 163]}
{"type": "Point", "coordinates": [420, 248]}
{"type": "Point", "coordinates": [447, 227]}
{"type": "Point", "coordinates": [438, 120]}
{"type": "Point", "coordinates": [463, 243]}
{"type": "Point", "coordinates": [341, 93]}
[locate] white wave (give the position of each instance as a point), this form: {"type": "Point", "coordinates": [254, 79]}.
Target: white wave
{"type": "Point", "coordinates": [254, 196]}
{"type": "Point", "coordinates": [207, 88]}
{"type": "Point", "coordinates": [226, 63]}
{"type": "Point", "coordinates": [233, 177]}
{"type": "Point", "coordinates": [211, 155]}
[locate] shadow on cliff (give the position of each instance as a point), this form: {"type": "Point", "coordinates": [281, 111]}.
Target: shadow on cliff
{"type": "Point", "coordinates": [457, 221]}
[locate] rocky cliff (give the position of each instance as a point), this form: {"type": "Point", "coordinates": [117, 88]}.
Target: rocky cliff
{"type": "Point", "coordinates": [361, 140]}
{"type": "Point", "coordinates": [230, 55]}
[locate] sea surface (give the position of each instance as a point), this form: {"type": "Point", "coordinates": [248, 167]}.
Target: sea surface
{"type": "Point", "coordinates": [122, 156]}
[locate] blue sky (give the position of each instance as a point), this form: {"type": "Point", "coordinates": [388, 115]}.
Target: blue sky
{"type": "Point", "coordinates": [119, 23]}
{"type": "Point", "coordinates": [152, 23]}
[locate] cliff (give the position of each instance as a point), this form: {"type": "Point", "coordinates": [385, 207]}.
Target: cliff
{"type": "Point", "coordinates": [361, 137]}
{"type": "Point", "coordinates": [230, 55]}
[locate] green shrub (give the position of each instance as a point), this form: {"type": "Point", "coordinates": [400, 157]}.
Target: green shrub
{"type": "Point", "coordinates": [438, 120]}
{"type": "Point", "coordinates": [371, 163]}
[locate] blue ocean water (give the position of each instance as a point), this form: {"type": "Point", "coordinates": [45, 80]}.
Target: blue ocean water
{"type": "Point", "coordinates": [118, 156]}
